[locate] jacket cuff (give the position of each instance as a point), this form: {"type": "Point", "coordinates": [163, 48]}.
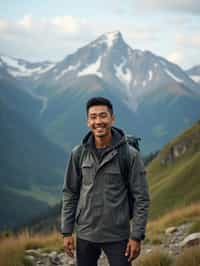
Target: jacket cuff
{"type": "Point", "coordinates": [66, 234]}
{"type": "Point", "coordinates": [138, 237]}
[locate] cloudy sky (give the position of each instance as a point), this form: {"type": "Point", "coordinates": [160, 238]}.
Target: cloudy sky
{"type": "Point", "coordinates": [51, 29]}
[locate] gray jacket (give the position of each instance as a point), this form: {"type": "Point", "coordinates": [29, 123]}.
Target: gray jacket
{"type": "Point", "coordinates": [95, 201]}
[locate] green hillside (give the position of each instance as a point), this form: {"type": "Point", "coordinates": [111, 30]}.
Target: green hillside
{"type": "Point", "coordinates": [174, 174]}
{"type": "Point", "coordinates": [31, 172]}
{"type": "Point", "coordinates": [17, 210]}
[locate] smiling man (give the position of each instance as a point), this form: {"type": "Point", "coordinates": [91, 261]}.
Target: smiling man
{"type": "Point", "coordinates": [96, 196]}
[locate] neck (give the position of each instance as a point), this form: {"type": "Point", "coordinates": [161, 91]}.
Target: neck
{"type": "Point", "coordinates": [103, 142]}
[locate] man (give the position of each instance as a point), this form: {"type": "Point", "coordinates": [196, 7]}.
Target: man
{"type": "Point", "coordinates": [95, 195]}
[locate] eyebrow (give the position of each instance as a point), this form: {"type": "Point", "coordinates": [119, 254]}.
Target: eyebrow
{"type": "Point", "coordinates": [98, 113]}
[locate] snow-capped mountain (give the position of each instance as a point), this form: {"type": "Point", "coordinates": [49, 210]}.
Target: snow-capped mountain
{"type": "Point", "coordinates": [194, 73]}
{"type": "Point", "coordinates": [153, 96]}
{"type": "Point", "coordinates": [19, 68]}
{"type": "Point", "coordinates": [135, 74]}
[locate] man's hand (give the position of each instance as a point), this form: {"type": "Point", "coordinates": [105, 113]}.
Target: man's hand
{"type": "Point", "coordinates": [132, 249]}
{"type": "Point", "coordinates": [69, 245]}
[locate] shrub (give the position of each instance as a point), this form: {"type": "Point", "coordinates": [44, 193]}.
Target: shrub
{"type": "Point", "coordinates": [195, 227]}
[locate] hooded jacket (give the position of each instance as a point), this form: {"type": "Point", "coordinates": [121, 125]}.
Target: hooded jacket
{"type": "Point", "coordinates": [95, 198]}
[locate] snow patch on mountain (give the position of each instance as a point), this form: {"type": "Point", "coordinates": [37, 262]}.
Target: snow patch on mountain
{"type": "Point", "coordinates": [10, 61]}
{"type": "Point", "coordinates": [68, 69]}
{"type": "Point", "coordinates": [41, 98]}
{"type": "Point", "coordinates": [123, 74]}
{"type": "Point", "coordinates": [111, 37]}
{"type": "Point", "coordinates": [144, 83]}
{"type": "Point", "coordinates": [169, 73]}
{"type": "Point", "coordinates": [150, 74]}
{"type": "Point", "coordinates": [92, 69]}
{"type": "Point", "coordinates": [43, 70]}
{"type": "Point", "coordinates": [195, 78]}
{"type": "Point", "coordinates": [17, 69]}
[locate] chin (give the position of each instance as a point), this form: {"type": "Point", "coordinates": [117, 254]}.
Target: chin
{"type": "Point", "coordinates": [100, 135]}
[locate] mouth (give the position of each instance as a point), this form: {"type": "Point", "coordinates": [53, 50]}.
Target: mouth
{"type": "Point", "coordinates": [99, 127]}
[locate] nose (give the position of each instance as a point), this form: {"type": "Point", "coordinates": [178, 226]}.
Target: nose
{"type": "Point", "coordinates": [98, 120]}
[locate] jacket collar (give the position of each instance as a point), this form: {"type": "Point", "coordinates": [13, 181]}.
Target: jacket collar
{"type": "Point", "coordinates": [118, 138]}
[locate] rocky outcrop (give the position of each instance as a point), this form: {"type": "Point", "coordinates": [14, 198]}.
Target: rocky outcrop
{"type": "Point", "coordinates": [174, 240]}
{"type": "Point", "coordinates": [181, 148]}
{"type": "Point", "coordinates": [176, 151]}
{"type": "Point", "coordinates": [37, 257]}
{"type": "Point", "coordinates": [191, 240]}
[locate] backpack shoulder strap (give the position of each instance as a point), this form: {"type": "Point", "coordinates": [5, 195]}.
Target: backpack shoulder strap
{"type": "Point", "coordinates": [126, 159]}
{"type": "Point", "coordinates": [78, 157]}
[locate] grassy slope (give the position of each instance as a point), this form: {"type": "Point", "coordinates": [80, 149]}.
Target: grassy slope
{"type": "Point", "coordinates": [49, 195]}
{"type": "Point", "coordinates": [176, 184]}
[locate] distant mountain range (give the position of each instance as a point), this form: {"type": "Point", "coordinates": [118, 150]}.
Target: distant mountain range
{"type": "Point", "coordinates": [43, 107]}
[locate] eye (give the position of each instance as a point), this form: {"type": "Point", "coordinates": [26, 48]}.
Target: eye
{"type": "Point", "coordinates": [103, 115]}
{"type": "Point", "coordinates": [93, 117]}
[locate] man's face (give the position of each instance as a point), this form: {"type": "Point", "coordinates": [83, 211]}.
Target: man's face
{"type": "Point", "coordinates": [100, 120]}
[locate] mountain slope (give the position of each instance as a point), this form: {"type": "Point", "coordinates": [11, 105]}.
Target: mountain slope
{"type": "Point", "coordinates": [17, 210]}
{"type": "Point", "coordinates": [174, 174]}
{"type": "Point", "coordinates": [31, 169]}
{"type": "Point", "coordinates": [26, 154]}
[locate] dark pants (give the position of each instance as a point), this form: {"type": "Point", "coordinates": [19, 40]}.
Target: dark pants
{"type": "Point", "coordinates": [88, 253]}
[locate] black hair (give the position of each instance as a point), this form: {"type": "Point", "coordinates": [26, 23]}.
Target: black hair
{"type": "Point", "coordinates": [99, 101]}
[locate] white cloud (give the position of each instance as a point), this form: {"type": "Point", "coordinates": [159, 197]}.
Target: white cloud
{"type": "Point", "coordinates": [44, 38]}
{"type": "Point", "coordinates": [176, 57]}
{"type": "Point", "coordinates": [26, 21]}
{"type": "Point", "coordinates": [3, 25]}
{"type": "Point", "coordinates": [188, 6]}
{"type": "Point", "coordinates": [190, 40]}
{"type": "Point", "coordinates": [196, 40]}
{"type": "Point", "coordinates": [67, 23]}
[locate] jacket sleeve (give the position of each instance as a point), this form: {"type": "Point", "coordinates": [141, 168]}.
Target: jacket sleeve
{"type": "Point", "coordinates": [70, 199]}
{"type": "Point", "coordinates": [139, 190]}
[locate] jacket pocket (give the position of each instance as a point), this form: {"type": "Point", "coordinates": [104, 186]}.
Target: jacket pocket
{"type": "Point", "coordinates": [113, 176]}
{"type": "Point", "coordinates": [87, 173]}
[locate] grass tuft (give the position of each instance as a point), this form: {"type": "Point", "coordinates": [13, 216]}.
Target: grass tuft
{"type": "Point", "coordinates": [174, 218]}
{"type": "Point", "coordinates": [190, 257]}
{"type": "Point", "coordinates": [195, 227]}
{"type": "Point", "coordinates": [12, 248]}
{"type": "Point", "coordinates": [156, 258]}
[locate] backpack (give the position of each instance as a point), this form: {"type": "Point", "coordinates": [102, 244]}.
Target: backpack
{"type": "Point", "coordinates": [124, 162]}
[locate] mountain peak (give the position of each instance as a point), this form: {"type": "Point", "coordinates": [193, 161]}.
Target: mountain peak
{"type": "Point", "coordinates": [110, 38]}
{"type": "Point", "coordinates": [113, 35]}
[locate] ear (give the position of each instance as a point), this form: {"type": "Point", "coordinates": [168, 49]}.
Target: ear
{"type": "Point", "coordinates": [113, 120]}
{"type": "Point", "coordinates": [87, 122]}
